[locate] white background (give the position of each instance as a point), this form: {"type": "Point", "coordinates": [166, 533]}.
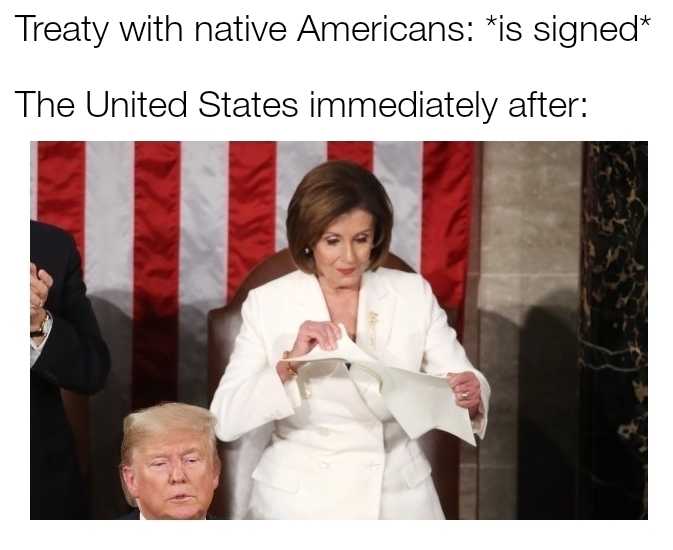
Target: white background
{"type": "Point", "coordinates": [628, 98]}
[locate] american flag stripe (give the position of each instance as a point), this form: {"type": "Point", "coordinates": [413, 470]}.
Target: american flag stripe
{"type": "Point", "coordinates": [359, 152]}
{"type": "Point", "coordinates": [447, 178]}
{"type": "Point", "coordinates": [252, 208]}
{"type": "Point", "coordinates": [399, 167]}
{"type": "Point", "coordinates": [109, 231]}
{"type": "Point", "coordinates": [204, 219]}
{"type": "Point", "coordinates": [110, 189]}
{"type": "Point", "coordinates": [61, 181]}
{"type": "Point", "coordinates": [109, 221]}
{"type": "Point", "coordinates": [61, 184]}
{"type": "Point", "coordinates": [33, 180]}
{"type": "Point", "coordinates": [293, 160]}
{"type": "Point", "coordinates": [155, 272]}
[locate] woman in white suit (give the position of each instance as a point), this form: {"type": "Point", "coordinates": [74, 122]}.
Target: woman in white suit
{"type": "Point", "coordinates": [336, 451]}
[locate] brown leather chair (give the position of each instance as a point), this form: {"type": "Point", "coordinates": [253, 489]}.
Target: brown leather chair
{"type": "Point", "coordinates": [224, 323]}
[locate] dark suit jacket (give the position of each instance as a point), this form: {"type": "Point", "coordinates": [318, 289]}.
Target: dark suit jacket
{"type": "Point", "coordinates": [74, 357]}
{"type": "Point", "coordinates": [135, 514]}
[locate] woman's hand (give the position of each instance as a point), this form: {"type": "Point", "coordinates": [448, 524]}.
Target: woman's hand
{"type": "Point", "coordinates": [315, 333]}
{"type": "Point", "coordinates": [467, 389]}
{"type": "Point", "coordinates": [310, 335]}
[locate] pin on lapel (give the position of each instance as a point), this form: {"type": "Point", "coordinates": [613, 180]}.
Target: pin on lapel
{"type": "Point", "coordinates": [372, 319]}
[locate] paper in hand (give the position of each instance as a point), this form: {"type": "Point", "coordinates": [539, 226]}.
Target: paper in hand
{"type": "Point", "coordinates": [346, 350]}
{"type": "Point", "coordinates": [419, 402]}
{"type": "Point", "coordinates": [422, 402]}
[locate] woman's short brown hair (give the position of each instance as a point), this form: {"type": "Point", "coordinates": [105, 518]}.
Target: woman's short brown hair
{"type": "Point", "coordinates": [328, 191]}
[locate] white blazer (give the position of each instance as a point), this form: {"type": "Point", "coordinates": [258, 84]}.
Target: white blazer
{"type": "Point", "coordinates": [336, 451]}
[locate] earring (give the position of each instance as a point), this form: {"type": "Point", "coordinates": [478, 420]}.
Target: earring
{"type": "Point", "coordinates": [307, 251]}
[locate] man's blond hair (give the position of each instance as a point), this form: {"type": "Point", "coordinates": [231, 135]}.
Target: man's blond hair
{"type": "Point", "coordinates": [161, 419]}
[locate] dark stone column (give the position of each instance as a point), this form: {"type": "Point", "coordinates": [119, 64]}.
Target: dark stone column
{"type": "Point", "coordinates": [613, 332]}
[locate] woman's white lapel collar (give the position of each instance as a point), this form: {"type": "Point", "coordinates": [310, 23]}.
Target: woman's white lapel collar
{"type": "Point", "coordinates": [376, 307]}
{"type": "Point", "coordinates": [376, 311]}
{"type": "Point", "coordinates": [310, 299]}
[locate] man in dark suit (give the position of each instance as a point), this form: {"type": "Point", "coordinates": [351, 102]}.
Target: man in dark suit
{"type": "Point", "coordinates": [66, 351]}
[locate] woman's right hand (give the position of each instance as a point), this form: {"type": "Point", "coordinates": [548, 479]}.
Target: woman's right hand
{"type": "Point", "coordinates": [310, 335]}
{"type": "Point", "coordinates": [315, 333]}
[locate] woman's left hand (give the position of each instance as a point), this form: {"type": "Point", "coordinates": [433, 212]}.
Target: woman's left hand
{"type": "Point", "coordinates": [467, 389]}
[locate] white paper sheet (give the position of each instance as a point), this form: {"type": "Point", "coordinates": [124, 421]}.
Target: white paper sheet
{"type": "Point", "coordinates": [419, 402]}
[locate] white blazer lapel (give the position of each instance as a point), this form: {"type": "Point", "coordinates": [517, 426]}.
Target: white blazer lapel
{"type": "Point", "coordinates": [376, 308]}
{"type": "Point", "coordinates": [376, 311]}
{"type": "Point", "coordinates": [311, 306]}
{"type": "Point", "coordinates": [309, 299]}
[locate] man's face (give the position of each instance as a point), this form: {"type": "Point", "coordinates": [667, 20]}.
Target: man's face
{"type": "Point", "coordinates": [173, 476]}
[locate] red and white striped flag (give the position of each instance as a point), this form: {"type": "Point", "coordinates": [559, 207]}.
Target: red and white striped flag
{"type": "Point", "coordinates": [168, 231]}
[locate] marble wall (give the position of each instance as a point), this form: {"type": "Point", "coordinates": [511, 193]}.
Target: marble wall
{"type": "Point", "coordinates": [613, 332]}
{"type": "Point", "coordinates": [468, 478]}
{"type": "Point", "coordinates": [525, 285]}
